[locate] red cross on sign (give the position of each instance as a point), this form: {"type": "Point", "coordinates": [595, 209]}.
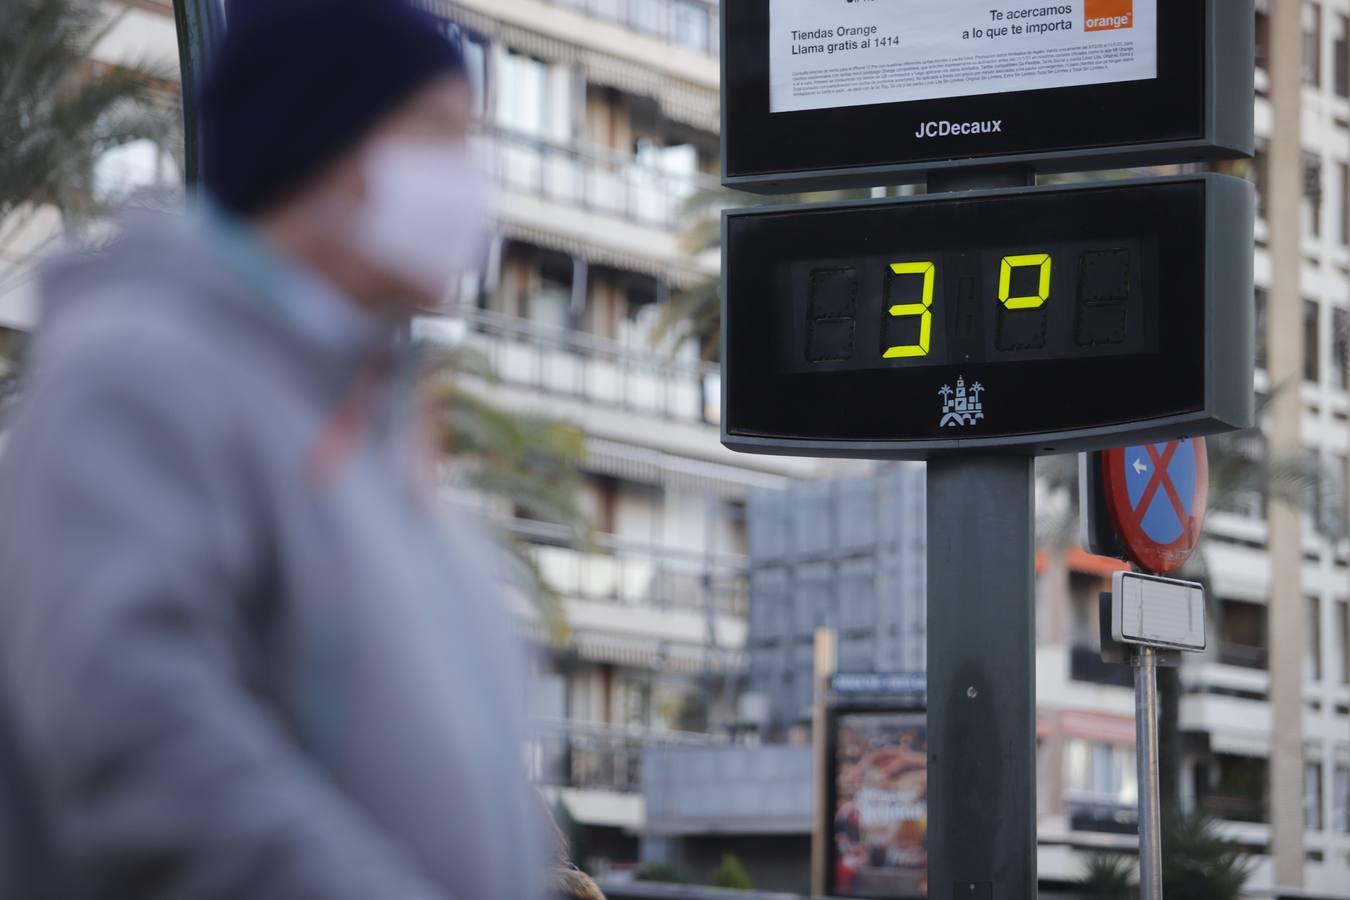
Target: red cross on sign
{"type": "Point", "coordinates": [1156, 496]}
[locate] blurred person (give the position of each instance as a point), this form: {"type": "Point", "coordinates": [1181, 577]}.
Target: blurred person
{"type": "Point", "coordinates": [569, 882]}
{"type": "Point", "coordinates": [243, 653]}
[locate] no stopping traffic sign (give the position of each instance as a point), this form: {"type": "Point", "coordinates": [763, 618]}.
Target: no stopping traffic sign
{"type": "Point", "coordinates": [1156, 496]}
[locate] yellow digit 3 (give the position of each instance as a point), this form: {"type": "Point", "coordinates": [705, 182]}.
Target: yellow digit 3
{"type": "Point", "coordinates": [923, 309]}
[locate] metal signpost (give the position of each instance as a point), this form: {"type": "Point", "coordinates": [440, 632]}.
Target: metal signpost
{"type": "Point", "coordinates": [1150, 615]}
{"type": "Point", "coordinates": [992, 319]}
{"type": "Point", "coordinates": [1147, 503]}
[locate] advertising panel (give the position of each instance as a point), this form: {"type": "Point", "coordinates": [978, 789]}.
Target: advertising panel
{"type": "Point", "coordinates": [880, 805]}
{"type": "Point", "coordinates": [827, 55]}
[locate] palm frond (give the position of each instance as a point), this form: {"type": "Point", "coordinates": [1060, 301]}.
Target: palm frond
{"type": "Point", "coordinates": [528, 463]}
{"type": "Point", "coordinates": [59, 112]}
{"type": "Point", "coordinates": [1110, 876]}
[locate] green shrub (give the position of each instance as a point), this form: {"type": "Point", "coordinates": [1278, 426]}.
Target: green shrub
{"type": "Point", "coordinates": [731, 874]}
{"type": "Point", "coordinates": [661, 872]}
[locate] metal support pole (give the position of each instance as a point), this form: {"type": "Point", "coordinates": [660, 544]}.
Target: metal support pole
{"type": "Point", "coordinates": [826, 661]}
{"type": "Point", "coordinates": [1146, 755]}
{"type": "Point", "coordinates": [981, 679]}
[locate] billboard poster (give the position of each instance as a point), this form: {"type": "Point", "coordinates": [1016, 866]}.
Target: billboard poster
{"type": "Point", "coordinates": [825, 54]}
{"type": "Point", "coordinates": [880, 805]}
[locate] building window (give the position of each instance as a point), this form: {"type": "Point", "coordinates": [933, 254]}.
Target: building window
{"type": "Point", "coordinates": [1242, 634]}
{"type": "Point", "coordinates": [1340, 348]}
{"type": "Point", "coordinates": [1342, 638]}
{"type": "Point", "coordinates": [1312, 655]}
{"type": "Point", "coordinates": [1340, 800]}
{"type": "Point", "coordinates": [1312, 44]}
{"type": "Point", "coordinates": [1312, 343]}
{"type": "Point", "coordinates": [1232, 788]}
{"type": "Point", "coordinates": [1312, 195]}
{"type": "Point", "coordinates": [1340, 55]}
{"type": "Point", "coordinates": [1096, 773]}
{"type": "Point", "coordinates": [1262, 338]}
{"type": "Point", "coordinates": [691, 25]}
{"type": "Point", "coordinates": [1312, 796]}
{"type": "Point", "coordinates": [1345, 204]}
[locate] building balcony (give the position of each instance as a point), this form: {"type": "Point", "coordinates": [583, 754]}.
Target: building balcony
{"type": "Point", "coordinates": [1235, 807]}
{"type": "Point", "coordinates": [587, 756]}
{"type": "Point", "coordinates": [1105, 815]}
{"type": "Point", "coordinates": [692, 24]}
{"type": "Point", "coordinates": [637, 379]}
{"type": "Point", "coordinates": [591, 178]}
{"type": "Point", "coordinates": [625, 573]}
{"type": "Point", "coordinates": [1241, 655]}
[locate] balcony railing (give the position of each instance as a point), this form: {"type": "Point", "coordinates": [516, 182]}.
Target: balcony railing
{"type": "Point", "coordinates": [1102, 816]}
{"type": "Point", "coordinates": [629, 573]}
{"type": "Point", "coordinates": [596, 756]}
{"type": "Point", "coordinates": [1236, 807]}
{"type": "Point", "coordinates": [639, 379]}
{"type": "Point", "coordinates": [589, 177]}
{"type": "Point", "coordinates": [685, 23]}
{"type": "Point", "coordinates": [1242, 655]}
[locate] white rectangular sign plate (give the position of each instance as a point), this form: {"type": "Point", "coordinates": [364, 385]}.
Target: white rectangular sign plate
{"type": "Point", "coordinates": [825, 54]}
{"type": "Point", "coordinates": [1157, 612]}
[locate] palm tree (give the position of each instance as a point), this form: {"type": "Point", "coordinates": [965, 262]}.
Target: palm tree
{"type": "Point", "coordinates": [1110, 876]}
{"type": "Point", "coordinates": [1197, 863]}
{"type": "Point", "coordinates": [60, 111]}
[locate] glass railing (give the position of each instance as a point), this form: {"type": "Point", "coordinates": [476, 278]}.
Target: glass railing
{"type": "Point", "coordinates": [639, 379]}
{"type": "Point", "coordinates": [686, 23]}
{"type": "Point", "coordinates": [590, 177]}
{"type": "Point", "coordinates": [630, 573]}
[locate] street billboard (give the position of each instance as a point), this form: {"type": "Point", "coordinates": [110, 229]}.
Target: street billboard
{"type": "Point", "coordinates": [878, 784]}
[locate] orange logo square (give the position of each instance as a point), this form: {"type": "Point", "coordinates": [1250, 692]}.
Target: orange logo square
{"type": "Point", "coordinates": [1108, 15]}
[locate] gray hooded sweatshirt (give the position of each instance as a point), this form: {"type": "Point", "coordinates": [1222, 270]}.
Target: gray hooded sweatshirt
{"type": "Point", "coordinates": [243, 652]}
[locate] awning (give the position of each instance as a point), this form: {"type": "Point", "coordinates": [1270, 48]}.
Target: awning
{"type": "Point", "coordinates": [645, 465]}
{"type": "Point", "coordinates": [678, 276]}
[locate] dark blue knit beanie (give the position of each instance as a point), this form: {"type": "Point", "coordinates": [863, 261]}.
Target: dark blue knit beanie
{"type": "Point", "coordinates": [295, 83]}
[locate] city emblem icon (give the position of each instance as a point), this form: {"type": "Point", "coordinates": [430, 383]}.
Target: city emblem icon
{"type": "Point", "coordinates": [961, 407]}
{"type": "Point", "coordinates": [1108, 15]}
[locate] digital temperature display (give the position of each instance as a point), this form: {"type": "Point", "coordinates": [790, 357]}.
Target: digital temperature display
{"type": "Point", "coordinates": [938, 307]}
{"type": "Point", "coordinates": [1049, 317]}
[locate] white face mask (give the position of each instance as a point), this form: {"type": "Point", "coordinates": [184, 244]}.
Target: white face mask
{"type": "Point", "coordinates": [423, 216]}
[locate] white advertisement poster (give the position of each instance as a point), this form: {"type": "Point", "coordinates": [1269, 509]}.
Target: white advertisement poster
{"type": "Point", "coordinates": [832, 53]}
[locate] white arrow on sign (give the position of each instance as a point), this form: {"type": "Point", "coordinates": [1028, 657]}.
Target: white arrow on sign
{"type": "Point", "coordinates": [1139, 466]}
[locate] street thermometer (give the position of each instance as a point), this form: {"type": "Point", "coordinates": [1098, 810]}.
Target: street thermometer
{"type": "Point", "coordinates": [991, 320]}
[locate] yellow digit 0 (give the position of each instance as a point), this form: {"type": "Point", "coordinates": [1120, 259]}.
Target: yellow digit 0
{"type": "Point", "coordinates": [923, 309]}
{"type": "Point", "coordinates": [1005, 281]}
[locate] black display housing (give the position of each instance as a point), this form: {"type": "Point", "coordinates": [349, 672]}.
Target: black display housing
{"type": "Point", "coordinates": [1198, 108]}
{"type": "Point", "coordinates": [1189, 374]}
